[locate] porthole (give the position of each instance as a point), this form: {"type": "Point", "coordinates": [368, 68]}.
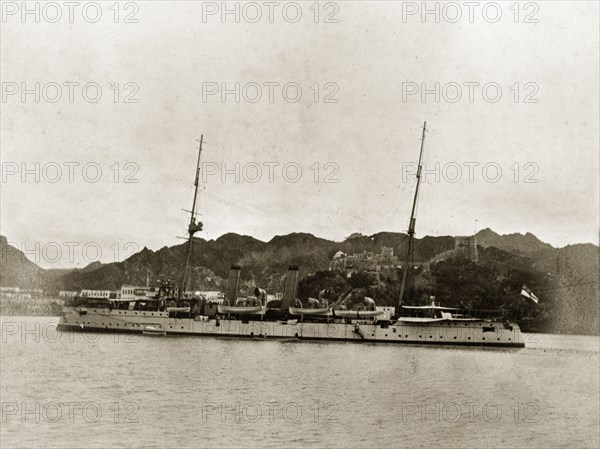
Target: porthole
{"type": "Point", "coordinates": [386, 335]}
{"type": "Point", "coordinates": [483, 338]}
{"type": "Point", "coordinates": [419, 336]}
{"type": "Point", "coordinates": [455, 338]}
{"type": "Point", "coordinates": [431, 336]}
{"type": "Point", "coordinates": [468, 338]}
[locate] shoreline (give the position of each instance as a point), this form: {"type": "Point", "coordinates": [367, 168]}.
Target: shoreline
{"type": "Point", "coordinates": [31, 307]}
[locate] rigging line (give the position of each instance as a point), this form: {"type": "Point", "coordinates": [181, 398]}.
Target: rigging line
{"type": "Point", "coordinates": [232, 202]}
{"type": "Point", "coordinates": [566, 286]}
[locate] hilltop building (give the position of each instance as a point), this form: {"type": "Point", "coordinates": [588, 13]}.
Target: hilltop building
{"type": "Point", "coordinates": [466, 247]}
{"type": "Point", "coordinates": [365, 261]}
{"type": "Point", "coordinates": [384, 266]}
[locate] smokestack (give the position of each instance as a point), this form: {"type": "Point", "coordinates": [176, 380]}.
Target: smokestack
{"type": "Point", "coordinates": [290, 288]}
{"type": "Point", "coordinates": [233, 283]}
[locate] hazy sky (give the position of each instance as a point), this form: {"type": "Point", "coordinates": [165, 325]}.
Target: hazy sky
{"type": "Point", "coordinates": [361, 69]}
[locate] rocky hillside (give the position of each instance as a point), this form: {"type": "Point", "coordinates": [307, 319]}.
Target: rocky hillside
{"type": "Point", "coordinates": [565, 279]}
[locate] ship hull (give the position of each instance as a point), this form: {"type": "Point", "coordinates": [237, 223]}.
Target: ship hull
{"type": "Point", "coordinates": [473, 333]}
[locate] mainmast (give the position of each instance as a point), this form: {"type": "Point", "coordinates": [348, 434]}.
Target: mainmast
{"type": "Point", "coordinates": [411, 225]}
{"type": "Point", "coordinates": [193, 226]}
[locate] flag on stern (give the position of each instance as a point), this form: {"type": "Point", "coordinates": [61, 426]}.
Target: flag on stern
{"type": "Point", "coordinates": [525, 291]}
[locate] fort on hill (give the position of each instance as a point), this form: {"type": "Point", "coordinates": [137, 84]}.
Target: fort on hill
{"type": "Point", "coordinates": [385, 265]}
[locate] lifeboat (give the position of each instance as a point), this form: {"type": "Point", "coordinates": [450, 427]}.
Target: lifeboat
{"type": "Point", "coordinates": [358, 313]}
{"type": "Point", "coordinates": [181, 307]}
{"type": "Point", "coordinates": [178, 309]}
{"type": "Point", "coordinates": [248, 306]}
{"type": "Point", "coordinates": [368, 311]}
{"type": "Point", "coordinates": [303, 311]}
{"type": "Point", "coordinates": [240, 310]}
{"type": "Point", "coordinates": [154, 330]}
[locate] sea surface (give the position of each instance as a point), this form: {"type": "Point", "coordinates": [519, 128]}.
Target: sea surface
{"type": "Point", "coordinates": [73, 390]}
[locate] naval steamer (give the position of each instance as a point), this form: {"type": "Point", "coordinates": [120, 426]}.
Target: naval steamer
{"type": "Point", "coordinates": [166, 310]}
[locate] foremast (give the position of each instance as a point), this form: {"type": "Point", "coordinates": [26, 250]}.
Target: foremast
{"type": "Point", "coordinates": [193, 226]}
{"type": "Point", "coordinates": [411, 225]}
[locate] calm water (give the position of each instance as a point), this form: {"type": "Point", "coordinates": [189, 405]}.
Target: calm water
{"type": "Point", "coordinates": [101, 390]}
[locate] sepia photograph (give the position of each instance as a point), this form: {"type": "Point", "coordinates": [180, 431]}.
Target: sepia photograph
{"type": "Point", "coordinates": [299, 224]}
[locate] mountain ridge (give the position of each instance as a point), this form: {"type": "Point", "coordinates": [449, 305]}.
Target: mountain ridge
{"type": "Point", "coordinates": [571, 271]}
